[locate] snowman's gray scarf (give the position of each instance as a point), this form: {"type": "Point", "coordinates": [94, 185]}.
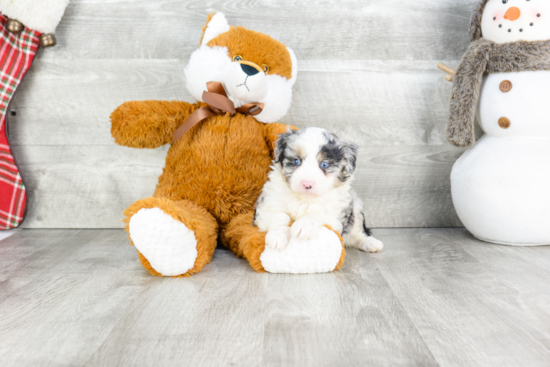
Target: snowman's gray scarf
{"type": "Point", "coordinates": [485, 57]}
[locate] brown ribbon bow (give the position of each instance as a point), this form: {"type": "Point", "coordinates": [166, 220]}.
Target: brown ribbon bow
{"type": "Point", "coordinates": [218, 104]}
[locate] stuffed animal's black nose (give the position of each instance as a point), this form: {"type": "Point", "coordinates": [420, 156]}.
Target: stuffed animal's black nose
{"type": "Point", "coordinates": [249, 70]}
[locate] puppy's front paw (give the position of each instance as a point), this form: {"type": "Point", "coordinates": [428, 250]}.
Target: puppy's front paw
{"type": "Point", "coordinates": [278, 238]}
{"type": "Point", "coordinates": [370, 244]}
{"type": "Point", "coordinates": [304, 228]}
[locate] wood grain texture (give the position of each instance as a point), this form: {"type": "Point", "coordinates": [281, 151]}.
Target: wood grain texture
{"type": "Point", "coordinates": [366, 71]}
{"type": "Point", "coordinates": [318, 30]}
{"type": "Point", "coordinates": [370, 102]}
{"type": "Point", "coordinates": [466, 308]}
{"type": "Point", "coordinates": [347, 318]}
{"type": "Point", "coordinates": [86, 187]}
{"type": "Point", "coordinates": [23, 256]}
{"type": "Point", "coordinates": [90, 186]}
{"type": "Point", "coordinates": [433, 297]}
{"type": "Point", "coordinates": [192, 319]}
{"type": "Point", "coordinates": [70, 301]}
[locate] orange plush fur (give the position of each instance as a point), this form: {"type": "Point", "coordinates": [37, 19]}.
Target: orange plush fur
{"type": "Point", "coordinates": [214, 174]}
{"type": "Point", "coordinates": [256, 47]}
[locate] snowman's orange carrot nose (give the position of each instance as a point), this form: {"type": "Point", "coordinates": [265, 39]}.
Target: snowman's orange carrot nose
{"type": "Point", "coordinates": [512, 14]}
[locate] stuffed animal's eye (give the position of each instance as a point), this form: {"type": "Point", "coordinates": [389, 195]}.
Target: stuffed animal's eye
{"type": "Point", "coordinates": [297, 162]}
{"type": "Point", "coordinates": [237, 58]}
{"type": "Point", "coordinates": [324, 165]}
{"type": "Point", "coordinates": [266, 68]}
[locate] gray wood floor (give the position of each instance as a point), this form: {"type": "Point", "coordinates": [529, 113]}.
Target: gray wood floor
{"type": "Point", "coordinates": [432, 297]}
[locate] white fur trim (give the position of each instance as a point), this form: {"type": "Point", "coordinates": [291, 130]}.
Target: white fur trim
{"type": "Point", "coordinates": [42, 15]}
{"type": "Point", "coordinates": [166, 243]}
{"type": "Point", "coordinates": [217, 25]}
{"type": "Point", "coordinates": [318, 255]}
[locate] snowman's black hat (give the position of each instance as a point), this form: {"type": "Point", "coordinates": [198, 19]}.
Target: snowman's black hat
{"type": "Point", "coordinates": [475, 21]}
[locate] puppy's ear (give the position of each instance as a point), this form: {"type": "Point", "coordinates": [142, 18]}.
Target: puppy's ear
{"type": "Point", "coordinates": [350, 158]}
{"type": "Point", "coordinates": [282, 143]}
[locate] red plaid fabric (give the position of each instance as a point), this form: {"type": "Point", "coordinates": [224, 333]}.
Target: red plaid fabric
{"type": "Point", "coordinates": [16, 55]}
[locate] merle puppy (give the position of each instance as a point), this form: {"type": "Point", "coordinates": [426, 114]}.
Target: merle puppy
{"type": "Point", "coordinates": [310, 185]}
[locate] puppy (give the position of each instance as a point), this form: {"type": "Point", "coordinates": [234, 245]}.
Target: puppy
{"type": "Point", "coordinates": [310, 185]}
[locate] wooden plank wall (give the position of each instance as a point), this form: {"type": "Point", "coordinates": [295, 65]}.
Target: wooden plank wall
{"type": "Point", "coordinates": [366, 71]}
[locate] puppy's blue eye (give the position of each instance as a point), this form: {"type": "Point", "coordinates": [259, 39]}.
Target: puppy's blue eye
{"type": "Point", "coordinates": [324, 165]}
{"type": "Point", "coordinates": [297, 162]}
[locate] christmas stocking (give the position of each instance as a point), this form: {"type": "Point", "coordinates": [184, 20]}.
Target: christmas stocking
{"type": "Point", "coordinates": [24, 25]}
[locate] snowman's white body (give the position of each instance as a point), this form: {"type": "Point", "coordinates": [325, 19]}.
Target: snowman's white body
{"type": "Point", "coordinates": [501, 185]}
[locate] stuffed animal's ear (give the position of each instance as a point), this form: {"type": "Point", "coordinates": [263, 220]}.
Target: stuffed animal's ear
{"type": "Point", "coordinates": [294, 65]}
{"type": "Point", "coordinates": [350, 158]}
{"type": "Point", "coordinates": [216, 24]}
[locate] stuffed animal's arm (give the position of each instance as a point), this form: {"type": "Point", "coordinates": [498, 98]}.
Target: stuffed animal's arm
{"type": "Point", "coordinates": [272, 132]}
{"type": "Point", "coordinates": [148, 124]}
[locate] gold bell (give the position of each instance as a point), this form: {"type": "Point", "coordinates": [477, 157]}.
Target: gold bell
{"type": "Point", "coordinates": [14, 26]}
{"type": "Point", "coordinates": [47, 40]}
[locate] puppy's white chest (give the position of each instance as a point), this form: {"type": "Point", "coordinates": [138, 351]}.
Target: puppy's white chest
{"type": "Point", "coordinates": [298, 209]}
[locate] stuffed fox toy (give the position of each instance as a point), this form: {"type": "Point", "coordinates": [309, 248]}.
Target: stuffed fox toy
{"type": "Point", "coordinates": [220, 154]}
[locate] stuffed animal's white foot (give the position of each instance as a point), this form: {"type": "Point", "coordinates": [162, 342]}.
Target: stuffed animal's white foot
{"type": "Point", "coordinates": [168, 245]}
{"type": "Point", "coordinates": [370, 244]}
{"type": "Point", "coordinates": [320, 254]}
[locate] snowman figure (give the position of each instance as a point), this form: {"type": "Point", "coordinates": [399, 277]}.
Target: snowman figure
{"type": "Point", "coordinates": [501, 185]}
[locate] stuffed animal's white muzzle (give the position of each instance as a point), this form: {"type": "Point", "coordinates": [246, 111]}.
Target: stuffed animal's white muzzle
{"type": "Point", "coordinates": [245, 82]}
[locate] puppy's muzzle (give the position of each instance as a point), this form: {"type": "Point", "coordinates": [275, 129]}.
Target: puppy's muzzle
{"type": "Point", "coordinates": [308, 185]}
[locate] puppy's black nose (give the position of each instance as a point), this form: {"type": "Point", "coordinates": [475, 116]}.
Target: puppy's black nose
{"type": "Point", "coordinates": [249, 70]}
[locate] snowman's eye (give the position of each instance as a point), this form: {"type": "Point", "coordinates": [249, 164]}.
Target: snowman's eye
{"type": "Point", "coordinates": [504, 1]}
{"type": "Point", "coordinates": [237, 58]}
